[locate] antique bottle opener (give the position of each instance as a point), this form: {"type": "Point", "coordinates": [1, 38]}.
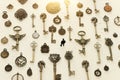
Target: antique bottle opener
{"type": "Point", "coordinates": [68, 57]}
{"type": "Point", "coordinates": [17, 37]}
{"type": "Point", "coordinates": [54, 58]}
{"type": "Point", "coordinates": [96, 10]}
{"type": "Point", "coordinates": [33, 45]}
{"type": "Point", "coordinates": [82, 41]}
{"type": "Point", "coordinates": [29, 72]}
{"type": "Point", "coordinates": [109, 43]}
{"type": "Point", "coordinates": [45, 48]}
{"type": "Point", "coordinates": [17, 76]}
{"type": "Point", "coordinates": [4, 53]}
{"type": "Point", "coordinates": [69, 30]}
{"type": "Point", "coordinates": [20, 61]}
{"type": "Point", "coordinates": [106, 19]}
{"type": "Point", "coordinates": [85, 64]}
{"type": "Point", "coordinates": [117, 20]}
{"type": "Point", "coordinates": [33, 17]}
{"type": "Point", "coordinates": [94, 20]}
{"type": "Point", "coordinates": [43, 16]}
{"type": "Point", "coordinates": [41, 65]}
{"type": "Point", "coordinates": [67, 3]}
{"type": "Point", "coordinates": [52, 29]}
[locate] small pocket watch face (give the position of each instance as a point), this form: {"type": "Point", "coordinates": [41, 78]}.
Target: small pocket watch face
{"type": "Point", "coordinates": [4, 53]}
{"type": "Point", "coordinates": [35, 35]}
{"type": "Point", "coordinates": [57, 20]}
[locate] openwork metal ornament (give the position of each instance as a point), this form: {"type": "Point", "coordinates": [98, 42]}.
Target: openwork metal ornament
{"type": "Point", "coordinates": [20, 14]}
{"type": "Point", "coordinates": [22, 1]}
{"type": "Point", "coordinates": [54, 58]}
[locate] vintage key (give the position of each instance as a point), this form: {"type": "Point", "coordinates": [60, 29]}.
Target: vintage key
{"type": "Point", "coordinates": [33, 17]}
{"type": "Point", "coordinates": [109, 43]}
{"type": "Point", "coordinates": [41, 65]}
{"type": "Point", "coordinates": [69, 56]}
{"type": "Point", "coordinates": [79, 14]}
{"type": "Point", "coordinates": [33, 45]}
{"type": "Point", "coordinates": [52, 29]}
{"type": "Point", "coordinates": [82, 41]}
{"type": "Point", "coordinates": [85, 64]}
{"type": "Point", "coordinates": [94, 20]}
{"type": "Point", "coordinates": [43, 16]}
{"type": "Point", "coordinates": [96, 10]}
{"type": "Point", "coordinates": [67, 3]}
{"type": "Point", "coordinates": [97, 47]}
{"type": "Point", "coordinates": [106, 19]}
{"type": "Point", "coordinates": [54, 58]}
{"type": "Point", "coordinates": [69, 30]}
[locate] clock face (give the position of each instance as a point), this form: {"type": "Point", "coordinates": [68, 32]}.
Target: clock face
{"type": "Point", "coordinates": [35, 35]}
{"type": "Point", "coordinates": [117, 21]}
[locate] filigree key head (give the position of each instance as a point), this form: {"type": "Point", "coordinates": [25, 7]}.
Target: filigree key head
{"type": "Point", "coordinates": [54, 58]}
{"type": "Point", "coordinates": [108, 42]}
{"type": "Point", "coordinates": [85, 64]}
{"type": "Point", "coordinates": [106, 18]}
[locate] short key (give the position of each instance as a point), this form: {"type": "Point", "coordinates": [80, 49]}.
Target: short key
{"type": "Point", "coordinates": [69, 30]}
{"type": "Point", "coordinates": [106, 19]}
{"type": "Point", "coordinates": [67, 3]}
{"type": "Point", "coordinates": [52, 29]}
{"type": "Point", "coordinates": [33, 17]}
{"type": "Point", "coordinates": [98, 46]}
{"type": "Point", "coordinates": [109, 43]}
{"type": "Point", "coordinates": [85, 64]}
{"type": "Point", "coordinates": [96, 10]}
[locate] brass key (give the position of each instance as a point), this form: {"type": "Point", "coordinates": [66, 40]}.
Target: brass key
{"type": "Point", "coordinates": [85, 64]}
{"type": "Point", "coordinates": [41, 65]}
{"type": "Point", "coordinates": [52, 29]}
{"type": "Point", "coordinates": [67, 3]}
{"type": "Point", "coordinates": [43, 16]}
{"type": "Point", "coordinates": [69, 30]}
{"type": "Point", "coordinates": [96, 10]}
{"type": "Point", "coordinates": [97, 47]}
{"type": "Point", "coordinates": [54, 58]}
{"type": "Point", "coordinates": [106, 19]}
{"type": "Point", "coordinates": [33, 17]}
{"type": "Point", "coordinates": [79, 14]}
{"type": "Point", "coordinates": [69, 56]}
{"type": "Point", "coordinates": [109, 43]}
{"type": "Point", "coordinates": [94, 20]}
{"type": "Point", "coordinates": [33, 45]}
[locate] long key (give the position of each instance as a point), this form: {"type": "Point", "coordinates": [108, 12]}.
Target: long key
{"type": "Point", "coordinates": [70, 30]}
{"type": "Point", "coordinates": [106, 19]}
{"type": "Point", "coordinates": [33, 17]}
{"type": "Point", "coordinates": [67, 3]}
{"type": "Point", "coordinates": [69, 69]}
{"type": "Point", "coordinates": [33, 45]}
{"type": "Point", "coordinates": [96, 10]}
{"type": "Point", "coordinates": [111, 56]}
{"type": "Point", "coordinates": [98, 46]}
{"type": "Point", "coordinates": [52, 39]}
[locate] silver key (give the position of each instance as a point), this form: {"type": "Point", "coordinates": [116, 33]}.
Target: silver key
{"type": "Point", "coordinates": [106, 19]}
{"type": "Point", "coordinates": [69, 30]}
{"type": "Point", "coordinates": [96, 10]}
{"type": "Point", "coordinates": [33, 17]}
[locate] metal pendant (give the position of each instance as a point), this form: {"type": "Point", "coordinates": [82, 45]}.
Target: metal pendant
{"type": "Point", "coordinates": [20, 61]}
{"type": "Point", "coordinates": [35, 5]}
{"type": "Point", "coordinates": [45, 48]}
{"type": "Point", "coordinates": [4, 40]}
{"type": "Point", "coordinates": [4, 16]}
{"type": "Point", "coordinates": [107, 7]}
{"type": "Point", "coordinates": [8, 68]}
{"type": "Point", "coordinates": [8, 23]}
{"type": "Point", "coordinates": [29, 72]}
{"type": "Point", "coordinates": [57, 20]}
{"type": "Point", "coordinates": [10, 6]}
{"type": "Point", "coordinates": [4, 53]}
{"type": "Point", "coordinates": [117, 20]}
{"type": "Point", "coordinates": [22, 1]}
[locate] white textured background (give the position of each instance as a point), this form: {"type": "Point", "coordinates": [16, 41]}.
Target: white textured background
{"type": "Point", "coordinates": [91, 54]}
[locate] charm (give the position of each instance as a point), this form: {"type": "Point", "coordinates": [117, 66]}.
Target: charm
{"type": "Point", "coordinates": [57, 20]}
{"type": "Point", "coordinates": [17, 37]}
{"type": "Point", "coordinates": [35, 5]}
{"type": "Point", "coordinates": [10, 6]}
{"type": "Point", "coordinates": [17, 76]}
{"type": "Point", "coordinates": [8, 23]}
{"type": "Point", "coordinates": [79, 5]}
{"type": "Point", "coordinates": [117, 20]}
{"type": "Point", "coordinates": [4, 53]}
{"type": "Point", "coordinates": [53, 7]}
{"type": "Point", "coordinates": [82, 41]}
{"type": "Point", "coordinates": [20, 61]}
{"type": "Point", "coordinates": [88, 11]}
{"type": "Point", "coordinates": [106, 68]}
{"type": "Point", "coordinates": [45, 48]}
{"type": "Point", "coordinates": [67, 3]}
{"type": "Point", "coordinates": [22, 1]}
{"type": "Point", "coordinates": [4, 40]}
{"type": "Point", "coordinates": [35, 35]}
{"type": "Point", "coordinates": [8, 68]}
{"type": "Point", "coordinates": [97, 73]}
{"type": "Point", "coordinates": [107, 7]}
{"type": "Point", "coordinates": [29, 72]}
{"type": "Point", "coordinates": [20, 14]}
{"type": "Point", "coordinates": [62, 42]}
{"type": "Point", "coordinates": [4, 16]}
{"type": "Point", "coordinates": [61, 31]}
{"type": "Point", "coordinates": [115, 35]}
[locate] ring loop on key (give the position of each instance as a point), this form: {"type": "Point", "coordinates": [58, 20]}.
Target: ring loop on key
{"type": "Point", "coordinates": [17, 28]}
{"type": "Point", "coordinates": [81, 33]}
{"type": "Point", "coordinates": [97, 45]}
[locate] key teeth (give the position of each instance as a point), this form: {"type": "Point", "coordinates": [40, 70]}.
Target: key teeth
{"type": "Point", "coordinates": [109, 58]}
{"type": "Point", "coordinates": [82, 52]}
{"type": "Point", "coordinates": [72, 73]}
{"type": "Point", "coordinates": [58, 77]}
{"type": "Point", "coordinates": [105, 29]}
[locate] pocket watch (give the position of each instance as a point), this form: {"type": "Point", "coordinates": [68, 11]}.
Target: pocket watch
{"type": "Point", "coordinates": [20, 61]}
{"type": "Point", "coordinates": [107, 7]}
{"type": "Point", "coordinates": [35, 35]}
{"type": "Point", "coordinates": [117, 20]}
{"type": "Point", "coordinates": [4, 53]}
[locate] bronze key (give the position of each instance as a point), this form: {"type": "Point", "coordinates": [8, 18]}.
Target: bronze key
{"type": "Point", "coordinates": [69, 30]}
{"type": "Point", "coordinates": [106, 19]}
{"type": "Point", "coordinates": [67, 3]}
{"type": "Point", "coordinates": [96, 10]}
{"type": "Point", "coordinates": [33, 17]}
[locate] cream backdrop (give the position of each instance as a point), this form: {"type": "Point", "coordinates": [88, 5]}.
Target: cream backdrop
{"type": "Point", "coordinates": [91, 54]}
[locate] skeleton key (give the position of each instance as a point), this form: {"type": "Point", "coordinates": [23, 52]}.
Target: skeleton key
{"type": "Point", "coordinates": [85, 64]}
{"type": "Point", "coordinates": [96, 10]}
{"type": "Point", "coordinates": [54, 58]}
{"type": "Point", "coordinates": [33, 45]}
{"type": "Point", "coordinates": [67, 3]}
{"type": "Point", "coordinates": [52, 29]}
{"type": "Point", "coordinates": [106, 19]}
{"type": "Point", "coordinates": [98, 46]}
{"type": "Point", "coordinates": [43, 16]}
{"type": "Point", "coordinates": [79, 14]}
{"type": "Point", "coordinates": [41, 65]}
{"type": "Point", "coordinates": [69, 56]}
{"type": "Point", "coordinates": [94, 20]}
{"type": "Point", "coordinates": [109, 43]}
{"type": "Point", "coordinates": [33, 17]}
{"type": "Point", "coordinates": [69, 30]}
